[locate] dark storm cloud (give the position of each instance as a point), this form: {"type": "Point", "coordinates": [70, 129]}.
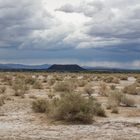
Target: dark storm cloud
{"type": "Point", "coordinates": [19, 20]}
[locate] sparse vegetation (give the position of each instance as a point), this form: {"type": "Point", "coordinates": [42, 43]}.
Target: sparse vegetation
{"type": "Point", "coordinates": [119, 99]}
{"type": "Point", "coordinates": [19, 87]}
{"type": "Point", "coordinates": [2, 90]}
{"type": "Point", "coordinates": [64, 87]}
{"type": "Point", "coordinates": [2, 98]}
{"type": "Point", "coordinates": [40, 105]}
{"type": "Point", "coordinates": [131, 89]}
{"type": "Point", "coordinates": [88, 90]}
{"type": "Point", "coordinates": [103, 89]}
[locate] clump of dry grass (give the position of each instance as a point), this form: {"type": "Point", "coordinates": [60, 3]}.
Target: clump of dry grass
{"type": "Point", "coordinates": [138, 80]}
{"type": "Point", "coordinates": [29, 80]}
{"type": "Point", "coordinates": [2, 99]}
{"type": "Point", "coordinates": [117, 98]}
{"type": "Point", "coordinates": [38, 85]}
{"type": "Point", "coordinates": [64, 87]}
{"type": "Point", "coordinates": [20, 88]}
{"type": "Point", "coordinates": [123, 77]}
{"type": "Point", "coordinates": [128, 102]}
{"type": "Point", "coordinates": [88, 90]}
{"type": "Point", "coordinates": [112, 87]}
{"type": "Point", "coordinates": [51, 82]}
{"type": "Point", "coordinates": [131, 89]}
{"type": "Point", "coordinates": [2, 90]}
{"type": "Point", "coordinates": [111, 79]}
{"type": "Point", "coordinates": [114, 109]}
{"type": "Point", "coordinates": [51, 95]}
{"type": "Point", "coordinates": [103, 89]}
{"type": "Point", "coordinates": [7, 79]}
{"type": "Point", "coordinates": [81, 83]}
{"type": "Point", "coordinates": [40, 105]}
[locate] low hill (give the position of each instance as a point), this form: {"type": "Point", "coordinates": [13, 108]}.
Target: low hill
{"type": "Point", "coordinates": [72, 68]}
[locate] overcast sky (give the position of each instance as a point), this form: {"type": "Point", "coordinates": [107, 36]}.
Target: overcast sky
{"type": "Point", "coordinates": [84, 32]}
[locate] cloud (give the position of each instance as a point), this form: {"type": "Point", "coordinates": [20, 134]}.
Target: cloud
{"type": "Point", "coordinates": [105, 32]}
{"type": "Point", "coordinates": [19, 20]}
{"type": "Point", "coordinates": [87, 8]}
{"type": "Point", "coordinates": [110, 24]}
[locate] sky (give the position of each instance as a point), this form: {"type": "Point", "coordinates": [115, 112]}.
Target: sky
{"type": "Point", "coordinates": [93, 33]}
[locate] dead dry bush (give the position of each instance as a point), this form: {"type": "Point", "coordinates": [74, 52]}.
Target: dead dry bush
{"type": "Point", "coordinates": [88, 90]}
{"type": "Point", "coordinates": [2, 99]}
{"type": "Point", "coordinates": [117, 98]}
{"type": "Point", "coordinates": [19, 87]}
{"type": "Point", "coordinates": [103, 89]}
{"type": "Point", "coordinates": [37, 85]}
{"type": "Point", "coordinates": [7, 80]}
{"type": "Point", "coordinates": [71, 107]}
{"type": "Point", "coordinates": [2, 90]}
{"type": "Point", "coordinates": [111, 80]}
{"type": "Point", "coordinates": [64, 87]}
{"type": "Point", "coordinates": [81, 83]}
{"type": "Point", "coordinates": [131, 89]}
{"type": "Point", "coordinates": [40, 105]}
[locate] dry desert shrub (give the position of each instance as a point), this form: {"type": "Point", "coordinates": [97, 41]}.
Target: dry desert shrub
{"type": "Point", "coordinates": [37, 85]}
{"type": "Point", "coordinates": [112, 87]}
{"type": "Point", "coordinates": [51, 95]}
{"type": "Point", "coordinates": [103, 89]}
{"type": "Point", "coordinates": [51, 82]}
{"type": "Point", "coordinates": [88, 90]}
{"type": "Point", "coordinates": [2, 99]}
{"type": "Point", "coordinates": [71, 107]}
{"type": "Point", "coordinates": [138, 80]}
{"type": "Point", "coordinates": [20, 88]}
{"type": "Point", "coordinates": [114, 109]}
{"type": "Point", "coordinates": [117, 98]}
{"type": "Point", "coordinates": [40, 105]}
{"type": "Point", "coordinates": [7, 80]}
{"type": "Point", "coordinates": [81, 83]}
{"type": "Point", "coordinates": [2, 90]}
{"type": "Point", "coordinates": [131, 89]}
{"type": "Point", "coordinates": [111, 80]}
{"type": "Point", "coordinates": [123, 77]}
{"type": "Point", "coordinates": [64, 87]}
{"type": "Point", "coordinates": [29, 80]}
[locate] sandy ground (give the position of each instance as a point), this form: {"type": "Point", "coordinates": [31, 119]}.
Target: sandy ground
{"type": "Point", "coordinates": [19, 122]}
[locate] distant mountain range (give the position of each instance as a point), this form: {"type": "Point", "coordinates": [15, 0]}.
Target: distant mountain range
{"type": "Point", "coordinates": [20, 66]}
{"type": "Point", "coordinates": [57, 67]}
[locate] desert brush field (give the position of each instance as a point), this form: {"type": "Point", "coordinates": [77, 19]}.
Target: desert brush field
{"type": "Point", "coordinates": [63, 106]}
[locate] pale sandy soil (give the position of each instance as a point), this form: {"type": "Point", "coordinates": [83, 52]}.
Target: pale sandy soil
{"type": "Point", "coordinates": [19, 122]}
